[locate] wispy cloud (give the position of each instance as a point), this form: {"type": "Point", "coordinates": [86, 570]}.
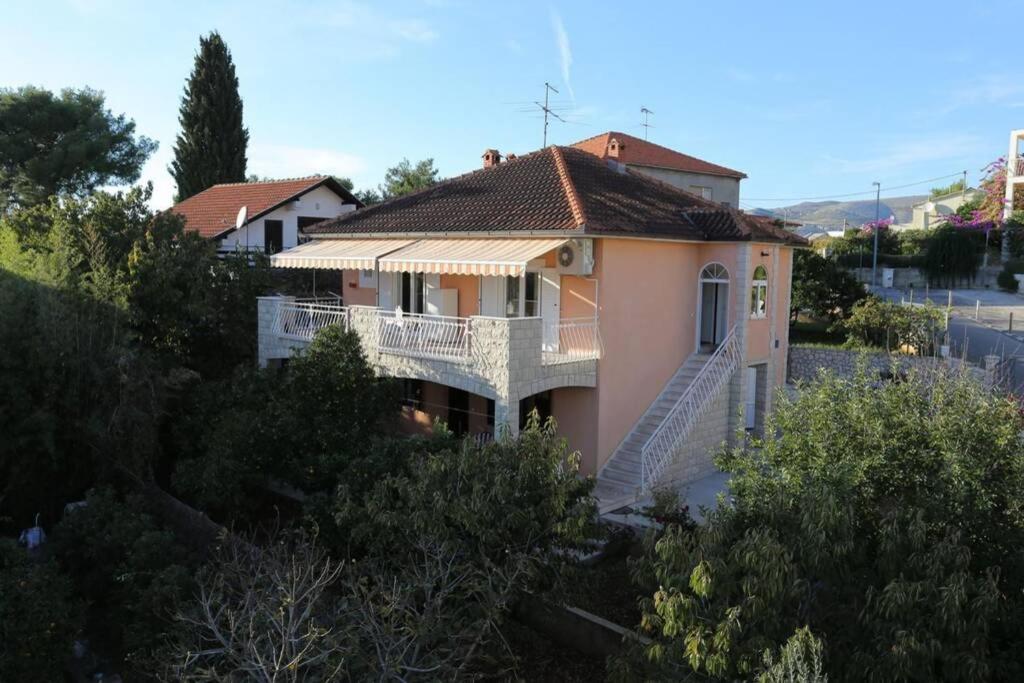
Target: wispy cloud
{"type": "Point", "coordinates": [908, 153]}
{"type": "Point", "coordinates": [564, 51]}
{"type": "Point", "coordinates": [375, 32]}
{"type": "Point", "coordinates": [288, 161]}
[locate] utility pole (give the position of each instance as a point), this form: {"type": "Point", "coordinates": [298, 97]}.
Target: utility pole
{"type": "Point", "coordinates": [646, 112]}
{"type": "Point", "coordinates": [963, 192]}
{"type": "Point", "coordinates": [547, 110]}
{"type": "Point", "coordinates": [874, 257]}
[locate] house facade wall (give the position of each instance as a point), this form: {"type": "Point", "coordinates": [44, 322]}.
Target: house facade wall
{"type": "Point", "coordinates": [723, 189]}
{"type": "Point", "coordinates": [319, 202]}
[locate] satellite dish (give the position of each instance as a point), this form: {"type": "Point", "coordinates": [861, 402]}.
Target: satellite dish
{"type": "Point", "coordinates": [243, 215]}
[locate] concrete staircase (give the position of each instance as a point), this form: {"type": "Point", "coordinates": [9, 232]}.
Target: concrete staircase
{"type": "Point", "coordinates": [619, 481]}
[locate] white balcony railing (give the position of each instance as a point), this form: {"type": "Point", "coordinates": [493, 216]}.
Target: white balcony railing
{"type": "Point", "coordinates": [1016, 166]}
{"type": "Point", "coordinates": [301, 320]}
{"type": "Point", "coordinates": [427, 336]}
{"type": "Point", "coordinates": [668, 438]}
{"type": "Point", "coordinates": [577, 339]}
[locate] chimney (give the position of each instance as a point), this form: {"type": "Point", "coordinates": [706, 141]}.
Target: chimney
{"type": "Point", "coordinates": [614, 147]}
{"type": "Point", "coordinates": [492, 157]}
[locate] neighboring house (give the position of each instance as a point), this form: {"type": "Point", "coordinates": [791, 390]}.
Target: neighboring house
{"type": "Point", "coordinates": [931, 212]}
{"type": "Point", "coordinates": [637, 315]}
{"type": "Point", "coordinates": [278, 211]}
{"type": "Point", "coordinates": [702, 178]}
{"type": "Point", "coordinates": [1014, 175]}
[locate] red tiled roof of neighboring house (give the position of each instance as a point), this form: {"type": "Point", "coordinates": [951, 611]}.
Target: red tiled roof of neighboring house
{"type": "Point", "coordinates": [212, 212]}
{"type": "Point", "coordinates": [561, 190]}
{"type": "Point", "coordinates": [633, 150]}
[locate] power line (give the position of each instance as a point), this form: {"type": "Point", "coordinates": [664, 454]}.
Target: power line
{"type": "Point", "coordinates": [851, 194]}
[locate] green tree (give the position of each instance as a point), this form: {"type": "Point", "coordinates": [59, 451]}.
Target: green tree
{"type": "Point", "coordinates": [38, 617]}
{"type": "Point", "coordinates": [325, 413]}
{"type": "Point", "coordinates": [211, 147]}
{"type": "Point", "coordinates": [952, 255]}
{"type": "Point", "coordinates": [405, 178]}
{"type": "Point", "coordinates": [886, 518]}
{"type": "Point", "coordinates": [66, 144]}
{"type": "Point", "coordinates": [823, 288]}
{"type": "Point", "coordinates": [130, 570]}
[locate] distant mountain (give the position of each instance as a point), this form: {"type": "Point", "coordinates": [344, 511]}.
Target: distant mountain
{"type": "Point", "coordinates": [832, 213]}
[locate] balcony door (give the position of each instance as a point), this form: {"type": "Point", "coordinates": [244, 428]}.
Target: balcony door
{"type": "Point", "coordinates": [713, 306]}
{"type": "Point", "coordinates": [550, 295]}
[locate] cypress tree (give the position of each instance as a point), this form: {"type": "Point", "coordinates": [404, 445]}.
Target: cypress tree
{"type": "Point", "coordinates": [211, 146]}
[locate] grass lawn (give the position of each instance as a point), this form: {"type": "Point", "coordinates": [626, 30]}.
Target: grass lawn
{"type": "Point", "coordinates": [807, 330]}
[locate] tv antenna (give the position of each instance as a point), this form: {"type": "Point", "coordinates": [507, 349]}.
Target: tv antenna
{"type": "Point", "coordinates": [646, 112]}
{"type": "Point", "coordinates": [548, 89]}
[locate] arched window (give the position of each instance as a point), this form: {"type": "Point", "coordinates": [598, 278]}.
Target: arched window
{"type": "Point", "coordinates": [714, 272]}
{"type": "Point", "coordinates": [759, 293]}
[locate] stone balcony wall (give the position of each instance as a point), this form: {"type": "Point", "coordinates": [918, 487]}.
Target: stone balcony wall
{"type": "Point", "coordinates": [504, 363]}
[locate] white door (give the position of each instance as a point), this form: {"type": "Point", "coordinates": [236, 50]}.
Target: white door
{"type": "Point", "coordinates": [492, 296]}
{"type": "Point", "coordinates": [550, 296]}
{"type": "Point", "coordinates": [432, 294]}
{"type": "Point", "coordinates": [386, 291]}
{"type": "Point", "coordinates": [751, 406]}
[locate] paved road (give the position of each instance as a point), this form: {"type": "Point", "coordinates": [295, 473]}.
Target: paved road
{"type": "Point", "coordinates": [989, 334]}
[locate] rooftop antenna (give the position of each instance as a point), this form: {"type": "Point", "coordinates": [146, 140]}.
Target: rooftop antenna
{"type": "Point", "coordinates": [646, 112]}
{"type": "Point", "coordinates": [548, 89]}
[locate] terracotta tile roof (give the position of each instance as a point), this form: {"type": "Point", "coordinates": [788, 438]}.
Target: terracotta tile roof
{"type": "Point", "coordinates": [212, 212]}
{"type": "Point", "coordinates": [633, 150]}
{"type": "Point", "coordinates": [557, 189]}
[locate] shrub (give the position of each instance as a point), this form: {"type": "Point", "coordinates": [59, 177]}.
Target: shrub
{"type": "Point", "coordinates": [893, 326]}
{"type": "Point", "coordinates": [952, 255]}
{"type": "Point", "coordinates": [38, 617]}
{"type": "Point", "coordinates": [883, 518]}
{"type": "Point", "coordinates": [1006, 281]}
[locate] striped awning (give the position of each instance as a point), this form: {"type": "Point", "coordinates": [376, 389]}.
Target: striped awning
{"type": "Point", "coordinates": [468, 256]}
{"type": "Point", "coordinates": [337, 254]}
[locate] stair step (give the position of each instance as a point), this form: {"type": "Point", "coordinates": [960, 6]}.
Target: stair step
{"type": "Point", "coordinates": [621, 479]}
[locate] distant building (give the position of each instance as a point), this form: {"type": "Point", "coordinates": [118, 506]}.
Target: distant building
{"type": "Point", "coordinates": [706, 180]}
{"type": "Point", "coordinates": [930, 213]}
{"type": "Point", "coordinates": [1014, 174]}
{"type": "Point", "coordinates": [278, 211]}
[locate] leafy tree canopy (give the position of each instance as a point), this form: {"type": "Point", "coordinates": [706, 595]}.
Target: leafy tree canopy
{"type": "Point", "coordinates": [406, 177]}
{"type": "Point", "coordinates": [822, 287]}
{"type": "Point", "coordinates": [63, 144]}
{"type": "Point", "coordinates": [886, 518]}
{"type": "Point", "coordinates": [956, 186]}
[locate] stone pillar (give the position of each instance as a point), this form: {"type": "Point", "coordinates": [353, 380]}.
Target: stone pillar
{"type": "Point", "coordinates": [364, 322]}
{"type": "Point", "coordinates": [738, 384]}
{"type": "Point", "coordinates": [993, 371]}
{"type": "Point", "coordinates": [506, 417]}
{"type": "Point", "coordinates": [267, 344]}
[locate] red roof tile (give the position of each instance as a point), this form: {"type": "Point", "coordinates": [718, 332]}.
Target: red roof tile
{"type": "Point", "coordinates": [212, 212]}
{"type": "Point", "coordinates": [633, 150]}
{"type": "Point", "coordinates": [558, 189]}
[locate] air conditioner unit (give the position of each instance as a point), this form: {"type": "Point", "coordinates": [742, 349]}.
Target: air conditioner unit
{"type": "Point", "coordinates": [575, 257]}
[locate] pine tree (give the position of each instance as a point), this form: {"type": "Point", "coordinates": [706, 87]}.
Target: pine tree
{"type": "Point", "coordinates": [211, 146]}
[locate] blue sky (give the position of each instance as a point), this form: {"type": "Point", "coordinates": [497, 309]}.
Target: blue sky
{"type": "Point", "coordinates": [808, 99]}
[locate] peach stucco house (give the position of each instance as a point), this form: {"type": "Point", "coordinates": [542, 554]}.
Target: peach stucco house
{"type": "Point", "coordinates": [643, 318]}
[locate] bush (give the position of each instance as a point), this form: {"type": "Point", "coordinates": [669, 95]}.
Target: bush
{"type": "Point", "coordinates": [38, 617]}
{"type": "Point", "coordinates": [1006, 281]}
{"type": "Point", "coordinates": [130, 570]}
{"type": "Point", "coordinates": [884, 518]}
{"type": "Point", "coordinates": [952, 255]}
{"type": "Point", "coordinates": [893, 326]}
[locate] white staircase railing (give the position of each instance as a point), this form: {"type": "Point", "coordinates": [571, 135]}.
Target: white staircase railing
{"type": "Point", "coordinates": [302, 320]}
{"type": "Point", "coordinates": [666, 440]}
{"type": "Point", "coordinates": [427, 336]}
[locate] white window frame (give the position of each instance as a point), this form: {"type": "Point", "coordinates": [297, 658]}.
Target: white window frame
{"type": "Point", "coordinates": [759, 295]}
{"type": "Point", "coordinates": [368, 279]}
{"type": "Point", "coordinates": [702, 191]}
